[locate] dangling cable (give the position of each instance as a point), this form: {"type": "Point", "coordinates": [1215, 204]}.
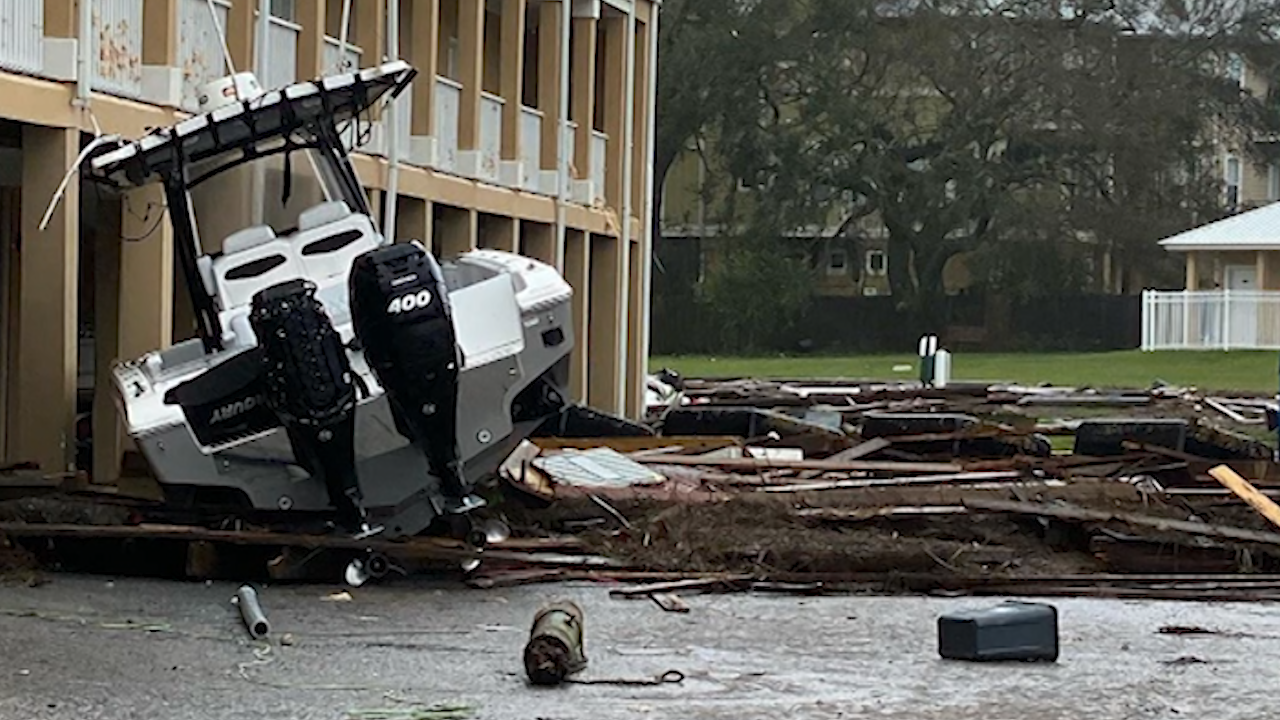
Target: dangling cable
{"type": "Point", "coordinates": [66, 179]}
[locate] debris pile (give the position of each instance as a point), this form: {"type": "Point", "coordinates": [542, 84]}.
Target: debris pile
{"type": "Point", "coordinates": [972, 488]}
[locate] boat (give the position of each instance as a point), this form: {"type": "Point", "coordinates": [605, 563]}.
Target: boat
{"type": "Point", "coordinates": [337, 378]}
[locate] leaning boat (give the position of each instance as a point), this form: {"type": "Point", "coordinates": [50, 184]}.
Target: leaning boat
{"type": "Point", "coordinates": [335, 375]}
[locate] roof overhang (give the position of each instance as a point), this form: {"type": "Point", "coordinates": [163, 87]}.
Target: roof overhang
{"type": "Point", "coordinates": [262, 121]}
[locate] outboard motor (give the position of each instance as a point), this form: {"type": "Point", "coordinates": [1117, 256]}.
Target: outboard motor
{"type": "Point", "coordinates": [400, 311]}
{"type": "Point", "coordinates": [309, 386]}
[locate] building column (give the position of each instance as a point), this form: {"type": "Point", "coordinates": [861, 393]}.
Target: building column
{"type": "Point", "coordinates": [370, 20]}
{"type": "Point", "coordinates": [1260, 263]}
{"type": "Point", "coordinates": [636, 358]}
{"type": "Point", "coordinates": [311, 16]}
{"type": "Point", "coordinates": [538, 241]}
{"type": "Point", "coordinates": [577, 272]}
{"type": "Point", "coordinates": [512, 75]}
{"type": "Point", "coordinates": [161, 68]}
{"type": "Point", "coordinates": [422, 52]}
{"type": "Point", "coordinates": [1193, 273]}
{"type": "Point", "coordinates": [551, 31]}
{"type": "Point", "coordinates": [471, 71]}
{"type": "Point", "coordinates": [617, 87]}
{"type": "Point", "coordinates": [140, 311]}
{"type": "Point", "coordinates": [456, 230]}
{"type": "Point", "coordinates": [498, 232]}
{"type": "Point", "coordinates": [48, 338]}
{"type": "Point", "coordinates": [240, 33]}
{"type": "Point", "coordinates": [582, 84]}
{"type": "Point", "coordinates": [605, 324]}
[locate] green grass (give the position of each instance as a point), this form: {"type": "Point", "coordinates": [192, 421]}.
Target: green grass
{"type": "Point", "coordinates": [1207, 370]}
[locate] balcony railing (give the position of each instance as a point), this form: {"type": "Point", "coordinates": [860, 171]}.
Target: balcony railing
{"type": "Point", "coordinates": [335, 61]}
{"type": "Point", "coordinates": [599, 151]}
{"type": "Point", "coordinates": [490, 135]}
{"type": "Point", "coordinates": [200, 47]}
{"type": "Point", "coordinates": [282, 53]}
{"type": "Point", "coordinates": [531, 147]}
{"type": "Point", "coordinates": [22, 36]}
{"type": "Point", "coordinates": [448, 104]}
{"type": "Point", "coordinates": [1211, 320]}
{"type": "Point", "coordinates": [117, 47]}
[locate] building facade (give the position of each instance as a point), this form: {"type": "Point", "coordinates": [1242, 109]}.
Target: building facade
{"type": "Point", "coordinates": [528, 128]}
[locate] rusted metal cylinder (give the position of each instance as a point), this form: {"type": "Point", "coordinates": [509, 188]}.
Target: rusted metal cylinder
{"type": "Point", "coordinates": [555, 648]}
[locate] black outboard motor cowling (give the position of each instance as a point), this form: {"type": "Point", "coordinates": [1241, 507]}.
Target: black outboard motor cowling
{"type": "Point", "coordinates": [310, 387]}
{"type": "Point", "coordinates": [400, 310]}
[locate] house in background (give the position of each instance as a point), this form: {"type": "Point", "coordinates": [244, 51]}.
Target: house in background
{"type": "Point", "coordinates": [1231, 298]}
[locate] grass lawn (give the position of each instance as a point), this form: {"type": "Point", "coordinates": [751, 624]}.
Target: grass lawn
{"type": "Point", "coordinates": [1207, 370]}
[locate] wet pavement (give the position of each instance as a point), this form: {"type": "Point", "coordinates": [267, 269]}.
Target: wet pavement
{"type": "Point", "coordinates": [90, 647]}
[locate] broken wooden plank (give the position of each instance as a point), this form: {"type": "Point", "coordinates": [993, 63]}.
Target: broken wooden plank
{"type": "Point", "coordinates": [1243, 489]}
{"type": "Point", "coordinates": [638, 443]}
{"type": "Point", "coordinates": [948, 479]}
{"type": "Point", "coordinates": [861, 450]}
{"type": "Point", "coordinates": [1065, 511]}
{"type": "Point", "coordinates": [670, 602]}
{"type": "Point", "coordinates": [764, 463]}
{"type": "Point", "coordinates": [1229, 412]}
{"type": "Point", "coordinates": [421, 548]}
{"type": "Point", "coordinates": [893, 511]}
{"type": "Point", "coordinates": [701, 583]}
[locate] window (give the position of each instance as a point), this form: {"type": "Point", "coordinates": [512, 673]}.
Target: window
{"type": "Point", "coordinates": [837, 262]}
{"type": "Point", "coordinates": [1273, 182]}
{"type": "Point", "coordinates": [877, 262]}
{"type": "Point", "coordinates": [1232, 182]}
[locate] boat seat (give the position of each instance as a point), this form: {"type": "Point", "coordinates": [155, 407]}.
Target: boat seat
{"type": "Point", "coordinates": [253, 259]}
{"type": "Point", "coordinates": [329, 238]}
{"type": "Point", "coordinates": [323, 214]}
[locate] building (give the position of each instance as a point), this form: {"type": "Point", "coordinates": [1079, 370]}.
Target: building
{"type": "Point", "coordinates": [529, 128]}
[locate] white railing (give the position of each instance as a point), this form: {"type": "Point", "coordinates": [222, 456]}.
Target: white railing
{"type": "Point", "coordinates": [448, 105]}
{"type": "Point", "coordinates": [490, 134]}
{"type": "Point", "coordinates": [599, 152]}
{"type": "Point", "coordinates": [200, 48]}
{"type": "Point", "coordinates": [117, 47]}
{"type": "Point", "coordinates": [22, 36]}
{"type": "Point", "coordinates": [335, 61]}
{"type": "Point", "coordinates": [282, 53]}
{"type": "Point", "coordinates": [530, 147]}
{"type": "Point", "coordinates": [1211, 320]}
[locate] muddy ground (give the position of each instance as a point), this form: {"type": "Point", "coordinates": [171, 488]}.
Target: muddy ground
{"type": "Point", "coordinates": [87, 647]}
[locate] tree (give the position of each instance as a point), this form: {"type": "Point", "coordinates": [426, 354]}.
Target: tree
{"type": "Point", "coordinates": [945, 121]}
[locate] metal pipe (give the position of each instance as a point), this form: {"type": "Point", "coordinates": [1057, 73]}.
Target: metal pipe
{"type": "Point", "coordinates": [646, 245]}
{"type": "Point", "coordinates": [562, 161]}
{"type": "Point", "coordinates": [628, 151]}
{"type": "Point", "coordinates": [392, 192]}
{"type": "Point", "coordinates": [255, 621]}
{"type": "Point", "coordinates": [555, 648]}
{"type": "Point", "coordinates": [84, 52]}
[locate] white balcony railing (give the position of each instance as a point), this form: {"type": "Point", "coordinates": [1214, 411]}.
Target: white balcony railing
{"type": "Point", "coordinates": [117, 47]}
{"type": "Point", "coordinates": [490, 145]}
{"type": "Point", "coordinates": [530, 147]}
{"type": "Point", "coordinates": [282, 53]}
{"type": "Point", "coordinates": [448, 105]}
{"type": "Point", "coordinates": [599, 151]}
{"type": "Point", "coordinates": [1211, 320]}
{"type": "Point", "coordinates": [22, 36]}
{"type": "Point", "coordinates": [335, 61]}
{"type": "Point", "coordinates": [200, 47]}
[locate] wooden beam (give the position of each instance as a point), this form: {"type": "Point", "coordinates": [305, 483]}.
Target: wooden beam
{"type": "Point", "coordinates": [582, 85]}
{"type": "Point", "coordinates": [577, 272]}
{"type": "Point", "coordinates": [551, 30]}
{"type": "Point", "coordinates": [471, 71]}
{"type": "Point", "coordinates": [422, 52]}
{"type": "Point", "coordinates": [1245, 490]}
{"type": "Point", "coordinates": [512, 75]}
{"type": "Point", "coordinates": [310, 58]}
{"type": "Point", "coordinates": [160, 36]}
{"type": "Point", "coordinates": [1079, 514]}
